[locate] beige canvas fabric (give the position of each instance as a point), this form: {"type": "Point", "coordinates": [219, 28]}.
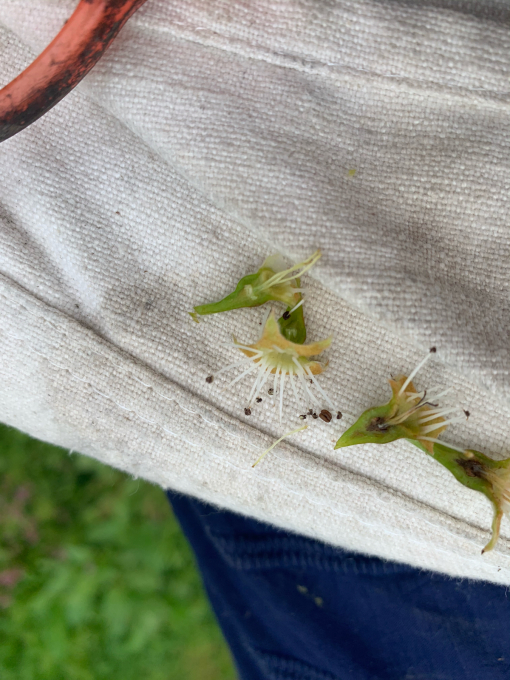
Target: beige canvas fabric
{"type": "Point", "coordinates": [210, 136]}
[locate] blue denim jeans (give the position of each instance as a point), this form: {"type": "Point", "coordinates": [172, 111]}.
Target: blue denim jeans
{"type": "Point", "coordinates": [292, 608]}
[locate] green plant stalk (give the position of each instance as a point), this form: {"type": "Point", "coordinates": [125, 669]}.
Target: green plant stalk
{"type": "Point", "coordinates": [480, 473]}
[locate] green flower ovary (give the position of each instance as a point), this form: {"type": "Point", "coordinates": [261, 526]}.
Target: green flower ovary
{"type": "Point", "coordinates": [270, 283]}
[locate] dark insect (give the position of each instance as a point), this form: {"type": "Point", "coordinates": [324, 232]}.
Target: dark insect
{"type": "Point", "coordinates": [286, 316]}
{"type": "Point", "coordinates": [258, 400]}
{"type": "Point", "coordinates": [209, 379]}
{"type": "Point", "coordinates": [247, 411]}
{"type": "Point", "coordinates": [339, 415]}
{"type": "Point", "coordinates": [270, 391]}
{"type": "Point", "coordinates": [467, 413]}
{"type": "Point", "coordinates": [325, 416]}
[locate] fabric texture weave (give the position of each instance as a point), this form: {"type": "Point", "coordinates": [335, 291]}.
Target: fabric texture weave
{"type": "Point", "coordinates": [209, 136]}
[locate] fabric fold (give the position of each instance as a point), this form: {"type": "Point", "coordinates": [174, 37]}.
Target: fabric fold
{"type": "Point", "coordinates": [207, 138]}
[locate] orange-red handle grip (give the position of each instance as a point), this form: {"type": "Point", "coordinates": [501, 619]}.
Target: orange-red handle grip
{"type": "Point", "coordinates": [67, 59]}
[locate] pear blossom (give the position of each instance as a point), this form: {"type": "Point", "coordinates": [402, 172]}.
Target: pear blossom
{"type": "Point", "coordinates": [408, 415]}
{"type": "Point", "coordinates": [272, 282]}
{"type": "Point", "coordinates": [284, 360]}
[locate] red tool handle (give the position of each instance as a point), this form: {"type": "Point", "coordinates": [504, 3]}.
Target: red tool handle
{"type": "Point", "coordinates": [81, 42]}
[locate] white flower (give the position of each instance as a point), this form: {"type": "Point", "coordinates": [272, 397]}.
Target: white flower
{"type": "Point", "coordinates": [274, 355]}
{"type": "Point", "coordinates": [409, 414]}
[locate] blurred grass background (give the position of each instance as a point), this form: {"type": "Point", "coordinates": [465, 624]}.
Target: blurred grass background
{"type": "Point", "coordinates": [96, 579]}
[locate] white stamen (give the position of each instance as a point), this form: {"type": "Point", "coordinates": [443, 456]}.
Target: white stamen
{"type": "Point", "coordinates": [292, 273]}
{"type": "Point", "coordinates": [435, 397]}
{"type": "Point", "coordinates": [303, 382]}
{"type": "Point", "coordinates": [265, 375]}
{"type": "Point", "coordinates": [297, 306]}
{"type": "Point", "coordinates": [437, 414]}
{"type": "Point", "coordinates": [260, 376]}
{"type": "Point", "coordinates": [299, 429]}
{"type": "Point", "coordinates": [276, 379]}
{"type": "Point", "coordinates": [415, 395]}
{"type": "Point", "coordinates": [319, 388]}
{"type": "Point", "coordinates": [240, 377]}
{"type": "Point", "coordinates": [396, 420]}
{"type": "Point", "coordinates": [413, 373]}
{"type": "Point", "coordinates": [294, 387]}
{"type": "Point", "coordinates": [246, 347]}
{"type": "Point", "coordinates": [246, 360]}
{"type": "Point", "coordinates": [438, 441]}
{"type": "Point", "coordinates": [282, 386]}
{"type": "Point", "coordinates": [436, 426]}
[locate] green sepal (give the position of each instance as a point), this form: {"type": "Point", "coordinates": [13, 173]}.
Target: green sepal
{"type": "Point", "coordinates": [242, 296]}
{"type": "Point", "coordinates": [269, 283]}
{"type": "Point", "coordinates": [366, 431]}
{"type": "Point", "coordinates": [247, 295]}
{"type": "Point", "coordinates": [398, 419]}
{"type": "Point", "coordinates": [458, 463]}
{"type": "Point", "coordinates": [294, 328]}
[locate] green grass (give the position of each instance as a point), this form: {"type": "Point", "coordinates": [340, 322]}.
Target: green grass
{"type": "Point", "coordinates": [96, 578]}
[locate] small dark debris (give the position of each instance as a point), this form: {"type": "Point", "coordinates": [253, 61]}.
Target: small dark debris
{"type": "Point", "coordinates": [339, 415]}
{"type": "Point", "coordinates": [258, 400]}
{"type": "Point", "coordinates": [325, 416]}
{"type": "Point", "coordinates": [209, 379]}
{"type": "Point", "coordinates": [286, 316]}
{"type": "Point", "coordinates": [314, 415]}
{"type": "Point", "coordinates": [302, 417]}
{"type": "Point", "coordinates": [433, 350]}
{"type": "Point", "coordinates": [311, 381]}
{"type": "Point", "coordinates": [467, 413]}
{"type": "Point", "coordinates": [270, 391]}
{"type": "Point", "coordinates": [247, 411]}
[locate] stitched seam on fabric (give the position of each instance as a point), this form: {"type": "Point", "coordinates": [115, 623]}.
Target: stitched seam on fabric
{"type": "Point", "coordinates": [366, 479]}
{"type": "Point", "coordinates": [249, 470]}
{"type": "Point", "coordinates": [285, 552]}
{"type": "Point", "coordinates": [282, 667]}
{"type": "Point", "coordinates": [240, 437]}
{"type": "Point", "coordinates": [311, 66]}
{"type": "Point", "coordinates": [272, 480]}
